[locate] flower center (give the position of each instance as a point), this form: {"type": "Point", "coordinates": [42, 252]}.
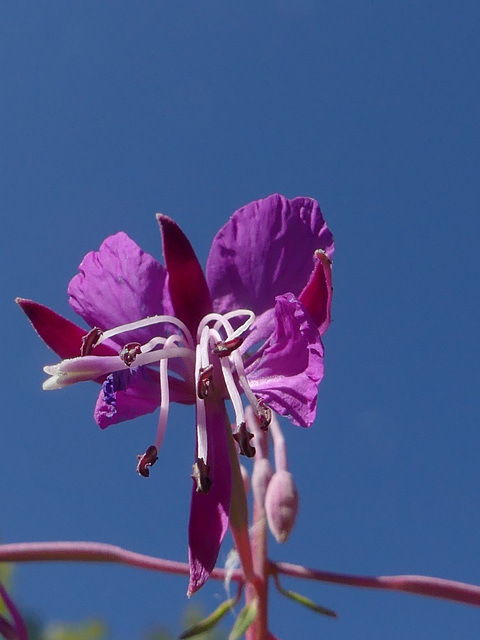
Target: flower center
{"type": "Point", "coordinates": [207, 365]}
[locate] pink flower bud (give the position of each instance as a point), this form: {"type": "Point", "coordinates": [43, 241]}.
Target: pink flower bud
{"type": "Point", "coordinates": [261, 476]}
{"type": "Point", "coordinates": [281, 505]}
{"type": "Point", "coordinates": [246, 479]}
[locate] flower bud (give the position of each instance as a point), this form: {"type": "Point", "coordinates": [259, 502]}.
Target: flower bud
{"type": "Point", "coordinates": [261, 476]}
{"type": "Point", "coordinates": [245, 478]}
{"type": "Point", "coordinates": [281, 505]}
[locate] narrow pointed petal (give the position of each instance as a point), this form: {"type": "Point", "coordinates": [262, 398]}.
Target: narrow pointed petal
{"type": "Point", "coordinates": [265, 250]}
{"type": "Point", "coordinates": [118, 284]}
{"type": "Point", "coordinates": [287, 370]}
{"type": "Point", "coordinates": [316, 297]}
{"type": "Point", "coordinates": [209, 512]}
{"type": "Point", "coordinates": [61, 335]}
{"type": "Point", "coordinates": [187, 285]}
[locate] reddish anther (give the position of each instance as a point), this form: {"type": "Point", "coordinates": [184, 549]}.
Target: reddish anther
{"type": "Point", "coordinates": [264, 415]}
{"type": "Point", "coordinates": [129, 352]}
{"type": "Point", "coordinates": [146, 460]}
{"type": "Point", "coordinates": [243, 437]}
{"type": "Point", "coordinates": [226, 347]}
{"type": "Point", "coordinates": [205, 381]}
{"type": "Point", "coordinates": [201, 476]}
{"type": "Point", "coordinates": [90, 340]}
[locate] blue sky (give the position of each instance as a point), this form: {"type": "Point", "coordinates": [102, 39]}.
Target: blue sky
{"type": "Point", "coordinates": [112, 111]}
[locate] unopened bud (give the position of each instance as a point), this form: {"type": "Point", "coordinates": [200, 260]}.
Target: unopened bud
{"type": "Point", "coordinates": [261, 476]}
{"type": "Point", "coordinates": [281, 505]}
{"type": "Point", "coordinates": [246, 479]}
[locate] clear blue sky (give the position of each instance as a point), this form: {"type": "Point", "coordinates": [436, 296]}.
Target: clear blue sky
{"type": "Point", "coordinates": [112, 111]}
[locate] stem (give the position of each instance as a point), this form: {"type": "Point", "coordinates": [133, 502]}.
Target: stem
{"type": "Point", "coordinates": [419, 585]}
{"type": "Point", "coordinates": [99, 552]}
{"type": "Point", "coordinates": [259, 628]}
{"type": "Point", "coordinates": [102, 552]}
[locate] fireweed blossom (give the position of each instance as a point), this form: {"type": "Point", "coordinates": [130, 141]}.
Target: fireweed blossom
{"type": "Point", "coordinates": [251, 325]}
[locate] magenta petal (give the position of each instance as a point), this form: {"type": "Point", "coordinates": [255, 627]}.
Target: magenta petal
{"type": "Point", "coordinates": [286, 371]}
{"type": "Point", "coordinates": [140, 396]}
{"type": "Point", "coordinates": [118, 284]}
{"type": "Point", "coordinates": [61, 335]}
{"type": "Point", "coordinates": [209, 512]}
{"type": "Point", "coordinates": [186, 282]}
{"type": "Point", "coordinates": [265, 250]}
{"type": "Point", "coordinates": [316, 297]}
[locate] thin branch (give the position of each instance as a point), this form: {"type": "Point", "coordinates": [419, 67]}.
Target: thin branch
{"type": "Point", "coordinates": [420, 585]}
{"type": "Point", "coordinates": [98, 552]}
{"type": "Point", "coordinates": [102, 552]}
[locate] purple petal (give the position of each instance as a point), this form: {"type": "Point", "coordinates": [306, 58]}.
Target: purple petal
{"type": "Point", "coordinates": [265, 250]}
{"type": "Point", "coordinates": [316, 297]}
{"type": "Point", "coordinates": [120, 283]}
{"type": "Point", "coordinates": [209, 512]}
{"type": "Point", "coordinates": [61, 335]}
{"type": "Point", "coordinates": [287, 370]}
{"type": "Point", "coordinates": [187, 285]}
{"type": "Point", "coordinates": [133, 393]}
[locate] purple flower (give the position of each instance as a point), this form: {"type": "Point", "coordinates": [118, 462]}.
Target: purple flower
{"type": "Point", "coordinates": [252, 325]}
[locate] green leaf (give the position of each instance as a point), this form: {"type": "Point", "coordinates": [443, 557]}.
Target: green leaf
{"type": "Point", "coordinates": [209, 622]}
{"type": "Point", "coordinates": [306, 602]}
{"type": "Point", "coordinates": [245, 618]}
{"type": "Point", "coordinates": [303, 600]}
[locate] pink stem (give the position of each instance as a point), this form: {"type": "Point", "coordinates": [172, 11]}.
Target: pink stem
{"type": "Point", "coordinates": [97, 552]}
{"type": "Point", "coordinates": [420, 585]}
{"type": "Point", "coordinates": [102, 552]}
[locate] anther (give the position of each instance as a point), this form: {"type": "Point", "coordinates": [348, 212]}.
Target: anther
{"type": "Point", "coordinates": [129, 352]}
{"type": "Point", "coordinates": [90, 340]}
{"type": "Point", "coordinates": [200, 476]}
{"type": "Point", "coordinates": [205, 377]}
{"type": "Point", "coordinates": [147, 460]}
{"type": "Point", "coordinates": [243, 437]}
{"type": "Point", "coordinates": [264, 415]}
{"type": "Point", "coordinates": [224, 348]}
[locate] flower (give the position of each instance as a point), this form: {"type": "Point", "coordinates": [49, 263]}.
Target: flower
{"type": "Point", "coordinates": [253, 324]}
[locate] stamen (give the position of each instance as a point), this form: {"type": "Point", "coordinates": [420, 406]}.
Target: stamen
{"type": "Point", "coordinates": [223, 321]}
{"type": "Point", "coordinates": [230, 382]}
{"type": "Point", "coordinates": [227, 347]}
{"type": "Point", "coordinates": [202, 440]}
{"type": "Point", "coordinates": [146, 322]}
{"type": "Point", "coordinates": [204, 381]}
{"type": "Point", "coordinates": [129, 352]}
{"type": "Point", "coordinates": [243, 437]}
{"type": "Point", "coordinates": [164, 396]}
{"type": "Point", "coordinates": [146, 460]}
{"type": "Point", "coordinates": [200, 476]}
{"type": "Point", "coordinates": [90, 340]}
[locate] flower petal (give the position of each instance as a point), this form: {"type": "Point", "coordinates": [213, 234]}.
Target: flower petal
{"type": "Point", "coordinates": [61, 335]}
{"type": "Point", "coordinates": [316, 296]}
{"type": "Point", "coordinates": [265, 250]}
{"type": "Point", "coordinates": [137, 395]}
{"type": "Point", "coordinates": [118, 284]}
{"type": "Point", "coordinates": [187, 285]}
{"type": "Point", "coordinates": [209, 512]}
{"type": "Point", "coordinates": [286, 371]}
